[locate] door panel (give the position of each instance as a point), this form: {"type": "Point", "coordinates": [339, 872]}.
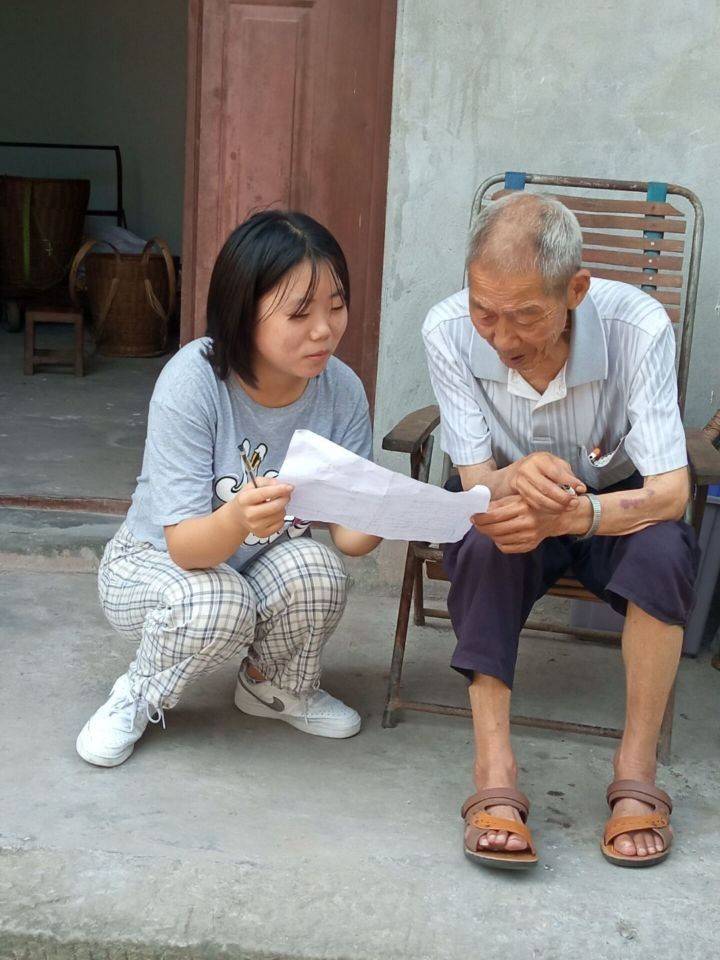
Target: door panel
{"type": "Point", "coordinates": [289, 106]}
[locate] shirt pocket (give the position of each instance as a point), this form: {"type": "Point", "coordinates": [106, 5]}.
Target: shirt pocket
{"type": "Point", "coordinates": [612, 467]}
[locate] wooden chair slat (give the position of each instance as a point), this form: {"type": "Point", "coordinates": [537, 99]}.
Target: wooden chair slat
{"type": "Point", "coordinates": [426, 552]}
{"type": "Point", "coordinates": [435, 570]}
{"type": "Point", "coordinates": [637, 278]}
{"type": "Point", "coordinates": [635, 243]}
{"type": "Point", "coordinates": [609, 221]}
{"type": "Point", "coordinates": [412, 431]}
{"type": "Point", "coordinates": [606, 205]}
{"type": "Point", "coordinates": [703, 457]}
{"type": "Point", "coordinates": [667, 297]}
{"type": "Point", "coordinates": [627, 259]}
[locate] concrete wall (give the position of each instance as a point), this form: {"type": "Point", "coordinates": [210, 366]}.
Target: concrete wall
{"type": "Point", "coordinates": [100, 72]}
{"type": "Point", "coordinates": [606, 89]}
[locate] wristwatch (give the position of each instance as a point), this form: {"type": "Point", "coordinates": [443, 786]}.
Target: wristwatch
{"type": "Point", "coordinates": [596, 516]}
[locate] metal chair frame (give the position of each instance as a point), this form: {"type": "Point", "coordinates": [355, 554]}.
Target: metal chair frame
{"type": "Point", "coordinates": [414, 435]}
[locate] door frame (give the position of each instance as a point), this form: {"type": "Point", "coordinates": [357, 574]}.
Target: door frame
{"type": "Point", "coordinates": [192, 321]}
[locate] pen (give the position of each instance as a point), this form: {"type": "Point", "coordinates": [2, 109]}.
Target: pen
{"type": "Point", "coordinates": [594, 456]}
{"type": "Point", "coordinates": [248, 469]}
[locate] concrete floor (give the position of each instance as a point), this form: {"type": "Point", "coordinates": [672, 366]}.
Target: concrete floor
{"type": "Point", "coordinates": [229, 836]}
{"type": "Point", "coordinates": [70, 436]}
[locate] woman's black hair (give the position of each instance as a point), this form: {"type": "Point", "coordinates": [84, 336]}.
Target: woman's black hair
{"type": "Point", "coordinates": [254, 259]}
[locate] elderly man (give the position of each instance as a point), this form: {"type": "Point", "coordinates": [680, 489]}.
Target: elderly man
{"type": "Point", "coordinates": [558, 393]}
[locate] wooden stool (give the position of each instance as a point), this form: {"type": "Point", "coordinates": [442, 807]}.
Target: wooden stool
{"type": "Point", "coordinates": [35, 358]}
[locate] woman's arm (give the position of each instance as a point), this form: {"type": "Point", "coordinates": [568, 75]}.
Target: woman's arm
{"type": "Point", "coordinates": [351, 542]}
{"type": "Point", "coordinates": [201, 542]}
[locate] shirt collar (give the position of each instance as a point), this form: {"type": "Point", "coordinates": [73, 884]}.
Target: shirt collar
{"type": "Point", "coordinates": [484, 362]}
{"type": "Point", "coordinates": [588, 358]}
{"type": "Point", "coordinates": [587, 361]}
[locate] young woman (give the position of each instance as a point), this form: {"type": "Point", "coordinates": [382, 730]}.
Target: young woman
{"type": "Point", "coordinates": [206, 564]}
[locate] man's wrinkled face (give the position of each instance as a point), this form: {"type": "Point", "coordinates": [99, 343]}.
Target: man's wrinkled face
{"type": "Point", "coordinates": [515, 314]}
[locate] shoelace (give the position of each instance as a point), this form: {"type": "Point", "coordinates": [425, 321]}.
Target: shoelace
{"type": "Point", "coordinates": [157, 716]}
{"type": "Point", "coordinates": [154, 714]}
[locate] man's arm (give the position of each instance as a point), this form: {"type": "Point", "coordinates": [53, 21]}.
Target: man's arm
{"type": "Point", "coordinates": [497, 481]}
{"type": "Point", "coordinates": [516, 527]}
{"type": "Point", "coordinates": [539, 478]}
{"type": "Point", "coordinates": [662, 497]}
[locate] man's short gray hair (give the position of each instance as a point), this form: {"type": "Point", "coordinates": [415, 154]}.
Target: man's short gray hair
{"type": "Point", "coordinates": [529, 232]}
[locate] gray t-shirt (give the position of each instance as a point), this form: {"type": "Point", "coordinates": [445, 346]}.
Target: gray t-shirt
{"type": "Point", "coordinates": [198, 424]}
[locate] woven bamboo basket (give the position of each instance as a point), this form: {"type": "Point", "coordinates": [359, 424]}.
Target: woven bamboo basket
{"type": "Point", "coordinates": [41, 226]}
{"type": "Point", "coordinates": [130, 297]}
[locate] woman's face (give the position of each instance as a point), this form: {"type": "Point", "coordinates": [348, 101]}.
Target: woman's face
{"type": "Point", "coordinates": [294, 339]}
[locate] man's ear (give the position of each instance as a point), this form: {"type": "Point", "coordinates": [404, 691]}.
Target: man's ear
{"type": "Point", "coordinates": [578, 288]}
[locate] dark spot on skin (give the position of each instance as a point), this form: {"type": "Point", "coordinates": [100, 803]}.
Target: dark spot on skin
{"type": "Point", "coordinates": [637, 502]}
{"type": "Point", "coordinates": [555, 793]}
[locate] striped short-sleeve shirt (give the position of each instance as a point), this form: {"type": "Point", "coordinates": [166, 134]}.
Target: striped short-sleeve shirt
{"type": "Point", "coordinates": [617, 390]}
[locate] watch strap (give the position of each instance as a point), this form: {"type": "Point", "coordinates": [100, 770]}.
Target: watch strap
{"type": "Point", "coordinates": [596, 516]}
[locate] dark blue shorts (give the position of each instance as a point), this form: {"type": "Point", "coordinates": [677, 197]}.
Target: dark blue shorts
{"type": "Point", "coordinates": [492, 593]}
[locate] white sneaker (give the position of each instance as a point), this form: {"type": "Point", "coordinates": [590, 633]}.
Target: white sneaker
{"type": "Point", "coordinates": [317, 713]}
{"type": "Point", "coordinates": [110, 735]}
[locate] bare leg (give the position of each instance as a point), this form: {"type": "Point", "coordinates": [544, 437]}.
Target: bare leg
{"type": "Point", "coordinates": [494, 759]}
{"type": "Point", "coordinates": [651, 652]}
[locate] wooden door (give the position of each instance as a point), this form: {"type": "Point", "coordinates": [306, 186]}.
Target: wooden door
{"type": "Point", "coordinates": [289, 105]}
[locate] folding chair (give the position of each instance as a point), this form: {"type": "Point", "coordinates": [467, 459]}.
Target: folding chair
{"type": "Point", "coordinates": [641, 241]}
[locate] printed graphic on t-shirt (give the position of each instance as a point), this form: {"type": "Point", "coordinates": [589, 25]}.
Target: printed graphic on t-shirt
{"type": "Point", "coordinates": [226, 488]}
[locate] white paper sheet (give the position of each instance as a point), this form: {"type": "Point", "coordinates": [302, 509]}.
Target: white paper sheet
{"type": "Point", "coordinates": [336, 486]}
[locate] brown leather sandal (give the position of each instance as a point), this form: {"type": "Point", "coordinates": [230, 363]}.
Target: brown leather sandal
{"type": "Point", "coordinates": [658, 821]}
{"type": "Point", "coordinates": [478, 822]}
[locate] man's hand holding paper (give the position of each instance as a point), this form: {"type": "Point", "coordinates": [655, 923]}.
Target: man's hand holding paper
{"type": "Point", "coordinates": [336, 486]}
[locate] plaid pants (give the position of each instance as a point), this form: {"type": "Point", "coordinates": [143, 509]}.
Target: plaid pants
{"type": "Point", "coordinates": [284, 606]}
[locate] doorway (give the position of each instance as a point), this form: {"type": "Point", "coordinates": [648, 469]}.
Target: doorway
{"type": "Point", "coordinates": [289, 105]}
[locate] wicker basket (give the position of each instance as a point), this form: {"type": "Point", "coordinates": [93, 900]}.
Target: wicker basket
{"type": "Point", "coordinates": [41, 225]}
{"type": "Point", "coordinates": [125, 293]}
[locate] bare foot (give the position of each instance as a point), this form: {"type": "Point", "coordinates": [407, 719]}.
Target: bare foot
{"type": "Point", "coordinates": [500, 839]}
{"type": "Point", "coordinates": [637, 843]}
